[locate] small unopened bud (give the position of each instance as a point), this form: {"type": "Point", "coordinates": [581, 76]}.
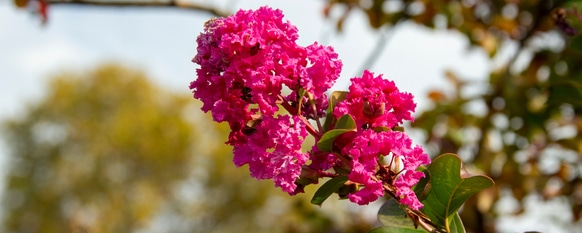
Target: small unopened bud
{"type": "Point", "coordinates": [373, 110]}
{"type": "Point", "coordinates": [395, 163]}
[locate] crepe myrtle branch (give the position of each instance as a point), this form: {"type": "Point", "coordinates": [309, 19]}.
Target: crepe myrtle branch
{"type": "Point", "coordinates": [186, 5]}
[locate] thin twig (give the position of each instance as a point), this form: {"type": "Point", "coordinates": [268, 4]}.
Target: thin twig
{"type": "Point", "coordinates": [159, 4]}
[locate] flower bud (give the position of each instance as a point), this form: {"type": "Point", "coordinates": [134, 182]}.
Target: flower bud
{"type": "Point", "coordinates": [373, 110]}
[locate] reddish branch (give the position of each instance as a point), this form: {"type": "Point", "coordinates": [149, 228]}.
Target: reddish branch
{"type": "Point", "coordinates": [160, 4]}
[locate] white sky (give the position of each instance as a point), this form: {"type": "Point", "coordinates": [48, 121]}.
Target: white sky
{"type": "Point", "coordinates": [162, 43]}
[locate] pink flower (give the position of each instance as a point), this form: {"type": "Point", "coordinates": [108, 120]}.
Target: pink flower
{"type": "Point", "coordinates": [244, 56]}
{"type": "Point", "coordinates": [322, 161]}
{"type": "Point", "coordinates": [369, 193]}
{"type": "Point", "coordinates": [404, 191]}
{"type": "Point", "coordinates": [365, 150]}
{"type": "Point", "coordinates": [412, 158]}
{"type": "Point", "coordinates": [273, 151]}
{"type": "Point", "coordinates": [376, 102]}
{"type": "Point", "coordinates": [248, 58]}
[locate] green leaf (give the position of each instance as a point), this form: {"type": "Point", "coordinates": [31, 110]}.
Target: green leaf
{"type": "Point", "coordinates": [392, 215]}
{"type": "Point", "coordinates": [451, 186]}
{"type": "Point", "coordinates": [345, 122]}
{"type": "Point", "coordinates": [395, 230]}
{"type": "Point", "coordinates": [327, 189]}
{"type": "Point", "coordinates": [325, 143]}
{"type": "Point", "coordinates": [422, 188]}
{"type": "Point", "coordinates": [334, 99]}
{"type": "Point", "coordinates": [457, 225]}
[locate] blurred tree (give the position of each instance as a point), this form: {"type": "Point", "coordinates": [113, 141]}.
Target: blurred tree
{"type": "Point", "coordinates": [107, 151]}
{"type": "Point", "coordinates": [99, 153]}
{"type": "Point", "coordinates": [525, 128]}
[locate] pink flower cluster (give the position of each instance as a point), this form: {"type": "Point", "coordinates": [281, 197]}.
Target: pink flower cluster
{"type": "Point", "coordinates": [273, 151]}
{"type": "Point", "coordinates": [245, 61]}
{"type": "Point", "coordinates": [250, 65]}
{"type": "Point", "coordinates": [376, 104]}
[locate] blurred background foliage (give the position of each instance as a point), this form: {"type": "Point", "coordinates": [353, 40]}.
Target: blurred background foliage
{"type": "Point", "coordinates": [107, 151]}
{"type": "Point", "coordinates": [522, 126]}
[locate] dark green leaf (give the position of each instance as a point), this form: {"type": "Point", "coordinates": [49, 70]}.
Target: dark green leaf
{"type": "Point", "coordinates": [451, 186]}
{"type": "Point", "coordinates": [392, 215]}
{"type": "Point", "coordinates": [344, 124]}
{"type": "Point", "coordinates": [422, 188]}
{"type": "Point", "coordinates": [325, 143]}
{"type": "Point", "coordinates": [327, 189]}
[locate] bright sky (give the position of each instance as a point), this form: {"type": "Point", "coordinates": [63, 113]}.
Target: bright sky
{"type": "Point", "coordinates": [162, 43]}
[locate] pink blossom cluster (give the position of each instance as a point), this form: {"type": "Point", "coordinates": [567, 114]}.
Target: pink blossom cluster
{"type": "Point", "coordinates": [246, 60]}
{"type": "Point", "coordinates": [251, 65]}
{"type": "Point", "coordinates": [377, 106]}
{"type": "Point", "coordinates": [376, 102]}
{"type": "Point", "coordinates": [273, 151]}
